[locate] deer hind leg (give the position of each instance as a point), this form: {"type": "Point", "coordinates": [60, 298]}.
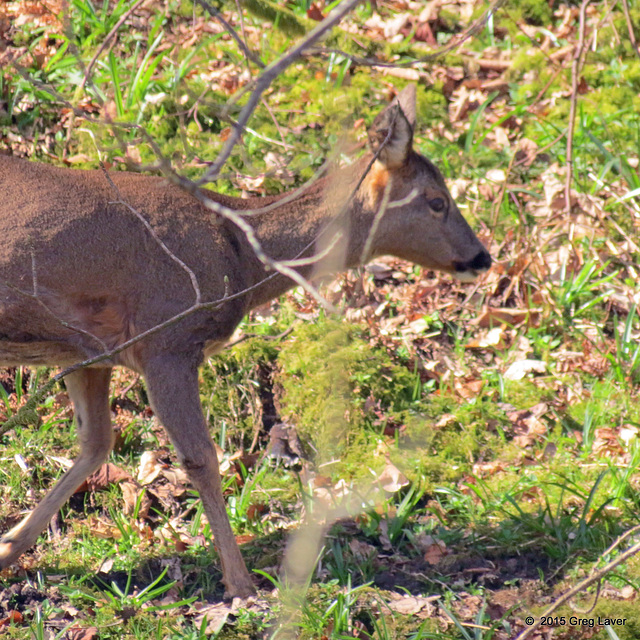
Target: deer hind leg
{"type": "Point", "coordinates": [172, 383]}
{"type": "Point", "coordinates": [89, 391]}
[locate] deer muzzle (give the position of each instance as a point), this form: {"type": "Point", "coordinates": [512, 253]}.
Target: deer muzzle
{"type": "Point", "coordinates": [471, 269]}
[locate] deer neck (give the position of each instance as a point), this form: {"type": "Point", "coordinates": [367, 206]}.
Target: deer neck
{"type": "Point", "coordinates": [316, 226]}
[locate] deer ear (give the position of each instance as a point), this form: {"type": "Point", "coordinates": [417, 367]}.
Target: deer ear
{"type": "Point", "coordinates": [407, 101]}
{"type": "Point", "coordinates": [395, 125]}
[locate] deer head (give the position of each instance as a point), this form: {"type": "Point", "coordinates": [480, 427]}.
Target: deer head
{"type": "Point", "coordinates": [421, 222]}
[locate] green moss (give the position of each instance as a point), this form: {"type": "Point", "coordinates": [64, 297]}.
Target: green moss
{"type": "Point", "coordinates": [528, 59]}
{"type": "Point", "coordinates": [607, 406]}
{"type": "Point", "coordinates": [327, 373]}
{"type": "Point", "coordinates": [613, 609]}
{"type": "Point", "coordinates": [610, 70]}
{"type": "Point", "coordinates": [431, 106]}
{"type": "Point", "coordinates": [539, 12]}
{"type": "Point", "coordinates": [230, 390]}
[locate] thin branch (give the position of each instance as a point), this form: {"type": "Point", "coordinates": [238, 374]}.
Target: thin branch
{"type": "Point", "coordinates": [594, 576]}
{"type": "Point", "coordinates": [268, 76]}
{"type": "Point", "coordinates": [252, 239]}
{"type": "Point", "coordinates": [316, 257]}
{"type": "Point", "coordinates": [472, 30]}
{"type": "Point", "coordinates": [155, 236]}
{"type": "Point", "coordinates": [241, 44]}
{"type": "Point", "coordinates": [632, 35]}
{"type": "Point", "coordinates": [265, 104]}
{"type": "Point", "coordinates": [242, 31]}
{"type": "Point", "coordinates": [575, 76]}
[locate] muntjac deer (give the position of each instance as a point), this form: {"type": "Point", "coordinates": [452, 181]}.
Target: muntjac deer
{"type": "Point", "coordinates": [80, 273]}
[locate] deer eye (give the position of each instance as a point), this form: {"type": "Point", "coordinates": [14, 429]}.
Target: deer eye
{"type": "Point", "coordinates": [437, 204]}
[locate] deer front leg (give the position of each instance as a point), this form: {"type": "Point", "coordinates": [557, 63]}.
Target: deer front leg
{"type": "Point", "coordinates": [89, 391]}
{"type": "Point", "coordinates": [172, 383]}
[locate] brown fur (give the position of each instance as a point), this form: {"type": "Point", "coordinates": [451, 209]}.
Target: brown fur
{"type": "Point", "coordinates": [79, 272]}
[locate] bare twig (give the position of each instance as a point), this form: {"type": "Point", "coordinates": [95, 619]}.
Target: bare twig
{"type": "Point", "coordinates": [594, 576]}
{"type": "Point", "coordinates": [266, 78]}
{"type": "Point", "coordinates": [632, 35]}
{"type": "Point", "coordinates": [316, 257]}
{"type": "Point", "coordinates": [472, 30]}
{"type": "Point", "coordinates": [249, 232]}
{"type": "Point", "coordinates": [575, 77]}
{"type": "Point", "coordinates": [250, 55]}
{"type": "Point", "coordinates": [155, 236]}
{"type": "Point", "coordinates": [544, 89]}
{"type": "Point", "coordinates": [265, 104]}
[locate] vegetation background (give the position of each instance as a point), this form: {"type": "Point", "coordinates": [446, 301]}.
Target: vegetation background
{"type": "Point", "coordinates": [499, 420]}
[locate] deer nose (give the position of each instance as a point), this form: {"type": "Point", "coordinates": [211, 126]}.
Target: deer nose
{"type": "Point", "coordinates": [481, 262]}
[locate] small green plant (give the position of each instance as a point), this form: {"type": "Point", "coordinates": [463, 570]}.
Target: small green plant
{"type": "Point", "coordinates": [395, 517]}
{"type": "Point", "coordinates": [581, 292]}
{"type": "Point", "coordinates": [42, 614]}
{"type": "Point", "coordinates": [129, 598]}
{"type": "Point", "coordinates": [625, 361]}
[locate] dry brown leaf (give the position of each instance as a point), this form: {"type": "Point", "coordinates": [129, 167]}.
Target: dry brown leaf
{"type": "Point", "coordinates": [391, 479]}
{"type": "Point", "coordinates": [527, 152]}
{"type": "Point", "coordinates": [216, 616]}
{"type": "Point", "coordinates": [628, 592]}
{"type": "Point", "coordinates": [468, 388]}
{"type": "Point", "coordinates": [492, 316]}
{"type": "Point", "coordinates": [107, 565]}
{"type": "Point", "coordinates": [607, 442]}
{"type": "Point", "coordinates": [106, 475]}
{"type": "Point", "coordinates": [361, 550]}
{"type": "Point", "coordinates": [101, 529]}
{"type": "Point", "coordinates": [149, 468]}
{"type": "Point", "coordinates": [177, 478]}
{"type": "Point", "coordinates": [528, 425]}
{"type": "Point", "coordinates": [445, 420]}
{"type": "Point", "coordinates": [390, 29]}
{"type": "Point", "coordinates": [314, 13]}
{"type": "Point", "coordinates": [12, 617]}
{"type": "Point", "coordinates": [131, 495]}
{"type": "Point", "coordinates": [521, 368]}
{"type": "Point", "coordinates": [75, 633]}
{"type": "Point", "coordinates": [495, 337]}
{"type": "Point", "coordinates": [435, 552]}
{"type": "Point", "coordinates": [410, 605]}
{"type": "Point", "coordinates": [484, 469]}
{"type": "Point", "coordinates": [78, 158]}
{"type": "Point", "coordinates": [174, 568]}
